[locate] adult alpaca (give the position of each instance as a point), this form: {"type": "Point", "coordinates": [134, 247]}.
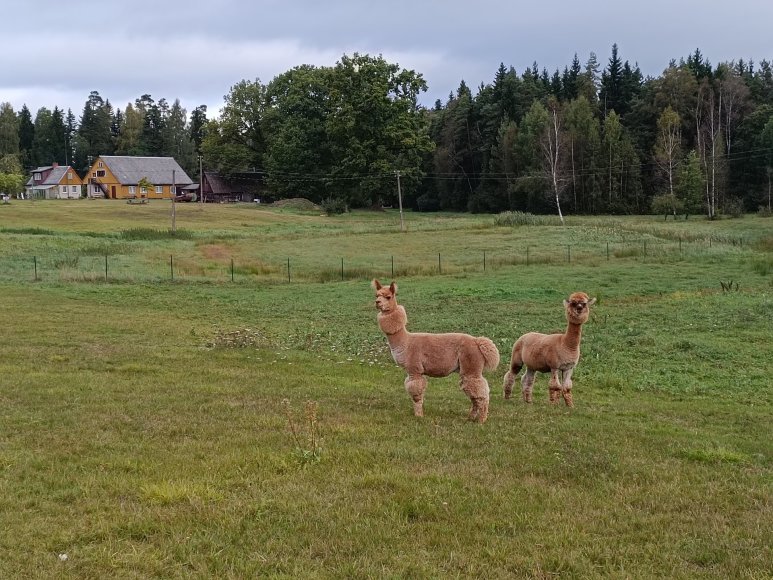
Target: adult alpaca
{"type": "Point", "coordinates": [423, 355]}
{"type": "Point", "coordinates": [551, 353]}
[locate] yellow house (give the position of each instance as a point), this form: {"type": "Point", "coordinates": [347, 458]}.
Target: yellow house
{"type": "Point", "coordinates": [54, 182]}
{"type": "Point", "coordinates": [118, 177]}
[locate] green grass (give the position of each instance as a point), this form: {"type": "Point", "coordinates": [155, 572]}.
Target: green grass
{"type": "Point", "coordinates": [144, 424]}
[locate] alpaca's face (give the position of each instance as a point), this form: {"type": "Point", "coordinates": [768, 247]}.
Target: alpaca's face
{"type": "Point", "coordinates": [578, 307]}
{"type": "Point", "coordinates": [386, 296]}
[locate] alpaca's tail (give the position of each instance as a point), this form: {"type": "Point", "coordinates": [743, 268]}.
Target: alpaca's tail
{"type": "Point", "coordinates": [489, 351]}
{"type": "Point", "coordinates": [516, 364]}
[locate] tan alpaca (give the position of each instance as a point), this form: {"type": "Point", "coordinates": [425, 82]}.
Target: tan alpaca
{"type": "Point", "coordinates": [423, 355]}
{"type": "Point", "coordinates": [551, 353]}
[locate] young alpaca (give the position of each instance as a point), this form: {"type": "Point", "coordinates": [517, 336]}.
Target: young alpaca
{"type": "Point", "coordinates": [551, 353]}
{"type": "Point", "coordinates": [435, 355]}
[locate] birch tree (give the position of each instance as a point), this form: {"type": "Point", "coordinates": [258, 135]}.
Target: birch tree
{"type": "Point", "coordinates": [553, 143]}
{"type": "Point", "coordinates": [667, 147]}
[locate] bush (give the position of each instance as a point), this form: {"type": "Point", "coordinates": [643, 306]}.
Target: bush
{"type": "Point", "coordinates": [333, 206]}
{"type": "Point", "coordinates": [667, 204]}
{"type": "Point", "coordinates": [734, 207]}
{"type": "Point", "coordinates": [764, 211]}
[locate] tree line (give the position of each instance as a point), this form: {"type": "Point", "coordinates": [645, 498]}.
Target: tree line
{"type": "Point", "coordinates": [585, 140]}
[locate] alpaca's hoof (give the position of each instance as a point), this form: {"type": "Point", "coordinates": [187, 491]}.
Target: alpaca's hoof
{"type": "Point", "coordinates": [508, 395]}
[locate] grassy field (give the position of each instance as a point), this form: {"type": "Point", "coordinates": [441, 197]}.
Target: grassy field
{"type": "Point", "coordinates": [204, 427]}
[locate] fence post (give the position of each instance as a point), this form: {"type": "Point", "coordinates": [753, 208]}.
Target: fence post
{"type": "Point", "coordinates": [288, 270]}
{"type": "Point", "coordinates": [680, 245]}
{"type": "Point", "coordinates": [35, 263]}
{"type": "Point", "coordinates": [439, 266]}
{"type": "Point", "coordinates": [105, 267]}
{"type": "Point", "coordinates": [342, 269]}
{"type": "Point", "coordinates": [171, 266]}
{"type": "Point", "coordinates": [393, 267]}
{"type": "Point", "coordinates": [607, 251]}
{"type": "Point", "coordinates": [232, 269]}
{"type": "Point", "coordinates": [484, 260]}
{"type": "Point", "coordinates": [569, 254]}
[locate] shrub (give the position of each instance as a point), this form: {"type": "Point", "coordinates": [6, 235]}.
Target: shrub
{"type": "Point", "coordinates": [764, 211]}
{"type": "Point", "coordinates": [334, 206]}
{"type": "Point", "coordinates": [734, 207]}
{"type": "Point", "coordinates": [667, 204]}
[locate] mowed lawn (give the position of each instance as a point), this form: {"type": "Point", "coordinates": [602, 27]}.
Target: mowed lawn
{"type": "Point", "coordinates": [204, 427]}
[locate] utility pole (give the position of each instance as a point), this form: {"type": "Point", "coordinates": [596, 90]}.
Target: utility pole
{"type": "Point", "coordinates": [400, 201]}
{"type": "Point", "coordinates": [174, 204]}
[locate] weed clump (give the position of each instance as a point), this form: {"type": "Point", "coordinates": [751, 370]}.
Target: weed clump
{"type": "Point", "coordinates": [305, 435]}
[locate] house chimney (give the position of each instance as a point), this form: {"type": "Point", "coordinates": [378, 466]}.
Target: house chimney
{"type": "Point", "coordinates": [54, 165]}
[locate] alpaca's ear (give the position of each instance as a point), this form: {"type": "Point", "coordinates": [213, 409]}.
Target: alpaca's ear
{"type": "Point", "coordinates": [591, 302]}
{"type": "Point", "coordinates": [393, 288]}
{"type": "Point", "coordinates": [376, 284]}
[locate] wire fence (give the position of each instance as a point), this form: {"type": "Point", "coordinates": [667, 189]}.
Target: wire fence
{"type": "Point", "coordinates": [131, 268]}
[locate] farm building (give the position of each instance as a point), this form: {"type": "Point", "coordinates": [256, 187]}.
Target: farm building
{"type": "Point", "coordinates": [118, 177]}
{"type": "Point", "coordinates": [54, 182]}
{"type": "Point", "coordinates": [217, 188]}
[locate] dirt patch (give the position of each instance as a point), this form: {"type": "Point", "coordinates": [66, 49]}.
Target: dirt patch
{"type": "Point", "coordinates": [216, 252]}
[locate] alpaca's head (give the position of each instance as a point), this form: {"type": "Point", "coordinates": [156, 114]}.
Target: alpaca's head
{"type": "Point", "coordinates": [386, 296]}
{"type": "Point", "coordinates": [578, 307]}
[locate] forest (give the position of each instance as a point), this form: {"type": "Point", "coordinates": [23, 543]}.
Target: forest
{"type": "Point", "coordinates": [588, 139]}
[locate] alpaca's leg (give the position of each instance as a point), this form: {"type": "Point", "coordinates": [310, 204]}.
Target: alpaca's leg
{"type": "Point", "coordinates": [415, 385]}
{"type": "Point", "coordinates": [554, 386]}
{"type": "Point", "coordinates": [527, 384]}
{"type": "Point", "coordinates": [516, 363]}
{"type": "Point", "coordinates": [566, 388]}
{"type": "Point", "coordinates": [508, 383]}
{"type": "Point", "coordinates": [478, 390]}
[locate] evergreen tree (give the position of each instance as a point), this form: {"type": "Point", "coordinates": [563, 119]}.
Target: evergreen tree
{"type": "Point", "coordinates": [49, 144]}
{"type": "Point", "coordinates": [69, 137]}
{"type": "Point", "coordinates": [176, 138]}
{"type": "Point", "coordinates": [26, 136]}
{"type": "Point", "coordinates": [94, 136]}
{"type": "Point", "coordinates": [611, 92]}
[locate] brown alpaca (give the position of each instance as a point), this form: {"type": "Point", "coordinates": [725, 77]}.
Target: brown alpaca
{"type": "Point", "coordinates": [435, 355]}
{"type": "Point", "coordinates": [551, 353]}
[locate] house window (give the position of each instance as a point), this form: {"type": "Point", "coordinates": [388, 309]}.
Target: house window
{"type": "Point", "coordinates": [64, 189]}
{"type": "Point", "coordinates": [159, 189]}
{"type": "Point", "coordinates": [94, 174]}
{"type": "Point", "coordinates": [132, 191]}
{"type": "Point", "coordinates": [143, 189]}
{"type": "Point", "coordinates": [69, 175]}
{"type": "Point", "coordinates": [37, 177]}
{"type": "Point", "coordinates": [101, 173]}
{"type": "Point", "coordinates": [74, 189]}
{"type": "Point", "coordinates": [101, 164]}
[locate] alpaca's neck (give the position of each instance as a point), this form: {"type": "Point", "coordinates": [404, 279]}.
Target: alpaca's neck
{"type": "Point", "coordinates": [572, 336]}
{"type": "Point", "coordinates": [393, 325]}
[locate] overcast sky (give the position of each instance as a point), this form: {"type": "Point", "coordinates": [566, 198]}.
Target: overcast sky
{"type": "Point", "coordinates": [54, 53]}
